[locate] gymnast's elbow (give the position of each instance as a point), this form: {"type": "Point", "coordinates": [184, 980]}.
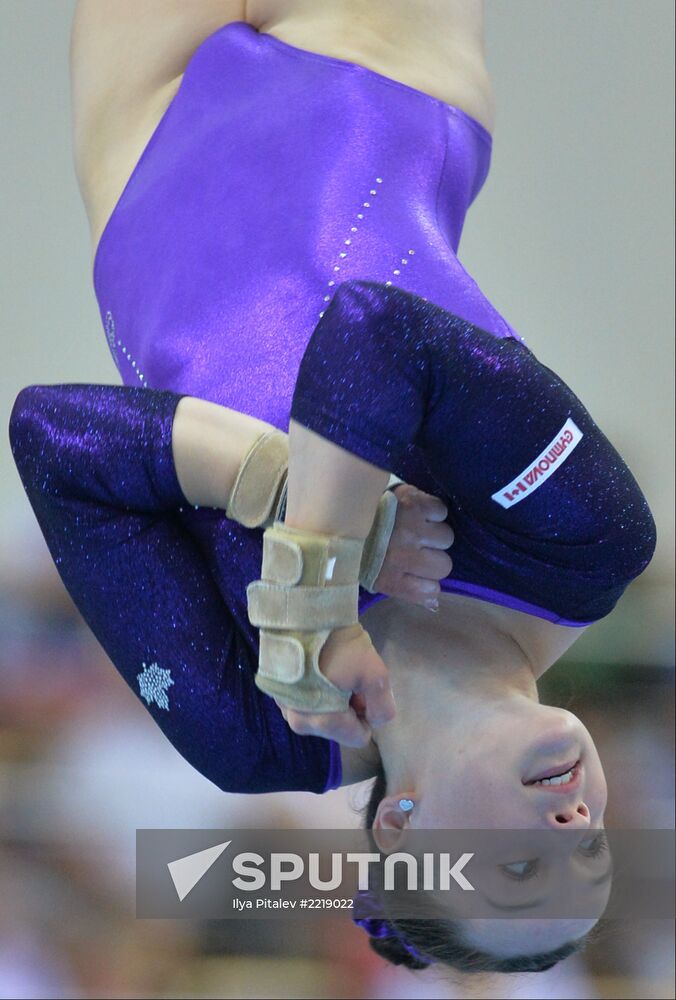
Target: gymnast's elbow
{"type": "Point", "coordinates": [634, 541]}
{"type": "Point", "coordinates": [28, 431]}
{"type": "Point", "coordinates": [617, 558]}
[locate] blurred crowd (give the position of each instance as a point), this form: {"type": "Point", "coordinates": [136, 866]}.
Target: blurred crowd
{"type": "Point", "coordinates": [82, 766]}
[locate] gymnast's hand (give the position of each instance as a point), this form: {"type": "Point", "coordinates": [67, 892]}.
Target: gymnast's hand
{"type": "Point", "coordinates": [350, 661]}
{"type": "Point", "coordinates": [415, 560]}
{"type": "Point", "coordinates": [414, 563]}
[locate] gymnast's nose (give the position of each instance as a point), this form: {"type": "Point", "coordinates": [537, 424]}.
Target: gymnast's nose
{"type": "Point", "coordinates": [573, 816]}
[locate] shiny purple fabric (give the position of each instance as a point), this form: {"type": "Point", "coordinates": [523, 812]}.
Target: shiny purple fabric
{"type": "Point", "coordinates": [387, 371]}
{"type": "Point", "coordinates": [275, 174]}
{"type": "Point", "coordinates": [168, 608]}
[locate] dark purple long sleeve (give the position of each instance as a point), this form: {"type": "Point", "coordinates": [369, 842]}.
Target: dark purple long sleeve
{"type": "Point", "coordinates": [548, 518]}
{"type": "Point", "coordinates": [162, 585]}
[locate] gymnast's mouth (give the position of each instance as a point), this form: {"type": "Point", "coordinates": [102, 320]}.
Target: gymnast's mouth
{"type": "Point", "coordinates": [562, 776]}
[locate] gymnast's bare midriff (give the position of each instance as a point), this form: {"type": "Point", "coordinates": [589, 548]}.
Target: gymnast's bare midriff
{"type": "Point", "coordinates": [127, 61]}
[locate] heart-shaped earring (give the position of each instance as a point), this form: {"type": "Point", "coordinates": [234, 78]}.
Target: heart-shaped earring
{"type": "Point", "coordinates": [406, 805]}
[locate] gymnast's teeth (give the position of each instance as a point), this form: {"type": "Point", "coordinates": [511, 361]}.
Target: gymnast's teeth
{"type": "Point", "coordinates": [559, 779]}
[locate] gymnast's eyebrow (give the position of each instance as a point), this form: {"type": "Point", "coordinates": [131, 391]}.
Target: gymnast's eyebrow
{"type": "Point", "coordinates": [607, 875]}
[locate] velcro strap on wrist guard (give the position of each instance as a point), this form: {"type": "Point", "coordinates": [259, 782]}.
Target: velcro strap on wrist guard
{"type": "Point", "coordinates": [273, 605]}
{"type": "Point", "coordinates": [256, 493]}
{"type": "Point", "coordinates": [309, 586]}
{"type": "Point", "coordinates": [289, 672]}
{"type": "Point", "coordinates": [378, 539]}
{"type": "Point", "coordinates": [294, 555]}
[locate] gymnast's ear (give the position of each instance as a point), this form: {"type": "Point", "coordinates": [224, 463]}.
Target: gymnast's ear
{"type": "Point", "coordinates": [391, 823]}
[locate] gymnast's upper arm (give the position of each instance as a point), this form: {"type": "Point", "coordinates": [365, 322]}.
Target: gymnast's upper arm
{"type": "Point", "coordinates": [130, 48]}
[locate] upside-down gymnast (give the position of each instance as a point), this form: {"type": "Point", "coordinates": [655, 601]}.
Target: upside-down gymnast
{"type": "Point", "coordinates": [259, 275]}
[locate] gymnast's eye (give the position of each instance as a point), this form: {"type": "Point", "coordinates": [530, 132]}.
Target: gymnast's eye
{"type": "Point", "coordinates": [594, 845]}
{"type": "Point", "coordinates": [521, 870]}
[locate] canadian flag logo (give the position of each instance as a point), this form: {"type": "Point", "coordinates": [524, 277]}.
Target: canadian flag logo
{"type": "Point", "coordinates": [547, 462]}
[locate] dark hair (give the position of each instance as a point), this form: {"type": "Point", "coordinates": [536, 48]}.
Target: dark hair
{"type": "Point", "coordinates": [442, 940]}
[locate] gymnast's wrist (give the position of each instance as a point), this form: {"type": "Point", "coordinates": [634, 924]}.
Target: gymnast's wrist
{"type": "Point", "coordinates": [307, 599]}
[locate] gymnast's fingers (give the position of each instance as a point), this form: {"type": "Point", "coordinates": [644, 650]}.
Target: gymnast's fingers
{"type": "Point", "coordinates": [422, 516]}
{"type": "Point", "coordinates": [430, 564]}
{"type": "Point", "coordinates": [413, 590]}
{"type": "Point", "coordinates": [374, 691]}
{"type": "Point", "coordinates": [433, 508]}
{"type": "Point", "coordinates": [351, 662]}
{"type": "Point", "coordinates": [437, 536]}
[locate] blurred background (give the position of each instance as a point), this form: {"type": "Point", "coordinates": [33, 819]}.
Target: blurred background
{"type": "Point", "coordinates": [572, 240]}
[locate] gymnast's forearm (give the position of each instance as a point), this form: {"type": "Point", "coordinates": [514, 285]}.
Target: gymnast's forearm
{"type": "Point", "coordinates": [330, 490]}
{"type": "Point", "coordinates": [209, 443]}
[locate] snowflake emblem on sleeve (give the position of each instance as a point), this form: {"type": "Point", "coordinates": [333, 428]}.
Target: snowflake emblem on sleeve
{"type": "Point", "coordinates": [153, 682]}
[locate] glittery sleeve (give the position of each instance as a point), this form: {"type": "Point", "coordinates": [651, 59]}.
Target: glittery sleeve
{"type": "Point", "coordinates": [96, 463]}
{"type": "Point", "coordinates": [547, 515]}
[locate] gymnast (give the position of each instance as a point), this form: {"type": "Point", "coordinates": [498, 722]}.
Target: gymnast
{"type": "Point", "coordinates": [339, 519]}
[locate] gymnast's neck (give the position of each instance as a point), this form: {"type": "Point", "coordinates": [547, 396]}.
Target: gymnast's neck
{"type": "Point", "coordinates": [468, 649]}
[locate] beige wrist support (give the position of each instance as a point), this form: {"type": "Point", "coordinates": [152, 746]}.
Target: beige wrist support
{"type": "Point", "coordinates": [259, 491]}
{"type": "Point", "coordinates": [309, 587]}
{"type": "Point", "coordinates": [258, 499]}
{"type": "Point", "coordinates": [378, 539]}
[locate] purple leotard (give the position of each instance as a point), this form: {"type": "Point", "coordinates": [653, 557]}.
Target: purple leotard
{"type": "Point", "coordinates": [286, 245]}
{"type": "Point", "coordinates": [275, 174]}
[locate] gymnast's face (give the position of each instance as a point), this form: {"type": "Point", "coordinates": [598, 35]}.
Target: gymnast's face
{"type": "Point", "coordinates": [538, 780]}
{"type": "Point", "coordinates": [531, 768]}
